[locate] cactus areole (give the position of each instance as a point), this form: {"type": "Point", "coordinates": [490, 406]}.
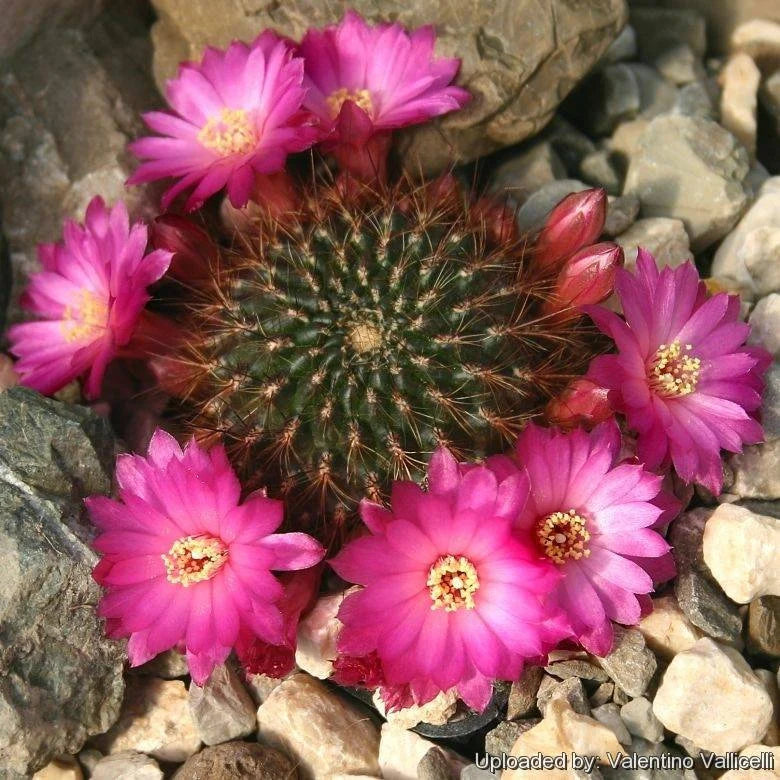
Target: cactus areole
{"type": "Point", "coordinates": [335, 353]}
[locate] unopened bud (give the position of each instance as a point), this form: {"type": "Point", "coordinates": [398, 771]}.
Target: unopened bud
{"type": "Point", "coordinates": [193, 250]}
{"type": "Point", "coordinates": [587, 278]}
{"type": "Point", "coordinates": [582, 403]}
{"type": "Point", "coordinates": [578, 220]}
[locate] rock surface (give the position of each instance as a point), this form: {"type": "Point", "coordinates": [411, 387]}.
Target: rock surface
{"type": "Point", "coordinates": [664, 238]}
{"type": "Point", "coordinates": [742, 550]}
{"type": "Point", "coordinates": [60, 680]}
{"type": "Point", "coordinates": [764, 626]}
{"type": "Point", "coordinates": [562, 731]}
{"type": "Point", "coordinates": [522, 694]}
{"type": "Point", "coordinates": [237, 761]}
{"type": "Point", "coordinates": [630, 664]}
{"type": "Point", "coordinates": [691, 169]}
{"type": "Point", "coordinates": [127, 765]}
{"type": "Point", "coordinates": [710, 695]}
{"type": "Point", "coordinates": [222, 708]}
{"type": "Point", "coordinates": [155, 719]}
{"type": "Point", "coordinates": [519, 59]}
{"type": "Point", "coordinates": [739, 100]}
{"type": "Point", "coordinates": [321, 731]}
{"type": "Point", "coordinates": [667, 631]}
{"type": "Point", "coordinates": [765, 324]}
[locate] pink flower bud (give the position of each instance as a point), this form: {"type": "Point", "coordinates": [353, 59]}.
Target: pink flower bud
{"type": "Point", "coordinates": [588, 277]}
{"type": "Point", "coordinates": [575, 222]}
{"type": "Point", "coordinates": [582, 403]}
{"type": "Point", "coordinates": [193, 250]}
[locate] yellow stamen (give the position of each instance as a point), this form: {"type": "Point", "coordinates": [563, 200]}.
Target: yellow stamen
{"type": "Point", "coordinates": [674, 371]}
{"type": "Point", "coordinates": [452, 582]}
{"type": "Point", "coordinates": [562, 535]}
{"type": "Point", "coordinates": [85, 318]}
{"type": "Point", "coordinates": [229, 133]}
{"type": "Point", "coordinates": [360, 97]}
{"type": "Point", "coordinates": [194, 559]}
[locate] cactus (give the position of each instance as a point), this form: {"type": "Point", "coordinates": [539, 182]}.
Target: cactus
{"type": "Point", "coordinates": [335, 350]}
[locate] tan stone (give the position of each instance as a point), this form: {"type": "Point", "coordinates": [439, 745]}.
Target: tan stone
{"type": "Point", "coordinates": [321, 731]}
{"type": "Point", "coordinates": [400, 751]}
{"type": "Point", "coordinates": [667, 631]}
{"type": "Point", "coordinates": [222, 707]}
{"type": "Point", "coordinates": [156, 720]}
{"type": "Point", "coordinates": [739, 99]}
{"type": "Point", "coordinates": [562, 731]}
{"type": "Point", "coordinates": [760, 39]}
{"type": "Point", "coordinates": [519, 57]}
{"type": "Point", "coordinates": [436, 712]}
{"type": "Point", "coordinates": [769, 681]}
{"type": "Point", "coordinates": [742, 550]}
{"type": "Point", "coordinates": [756, 774]}
{"type": "Point", "coordinates": [317, 635]}
{"type": "Point", "coordinates": [60, 769]}
{"type": "Point", "coordinates": [711, 696]}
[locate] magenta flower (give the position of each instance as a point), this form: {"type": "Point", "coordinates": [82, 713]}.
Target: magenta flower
{"type": "Point", "coordinates": [365, 81]}
{"type": "Point", "coordinates": [236, 114]}
{"type": "Point", "coordinates": [89, 299]}
{"type": "Point", "coordinates": [184, 564]}
{"type": "Point", "coordinates": [451, 597]}
{"type": "Point", "coordinates": [594, 520]}
{"type": "Point", "coordinates": [682, 375]}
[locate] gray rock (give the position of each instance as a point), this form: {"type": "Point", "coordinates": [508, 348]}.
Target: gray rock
{"type": "Point", "coordinates": [577, 668]}
{"type": "Point", "coordinates": [697, 99]}
{"type": "Point", "coordinates": [527, 170]}
{"type": "Point", "coordinates": [609, 715]}
{"type": "Point", "coordinates": [502, 738]}
{"type": "Point", "coordinates": [698, 595]}
{"type": "Point", "coordinates": [640, 720]}
{"type": "Point", "coordinates": [168, 665]}
{"type": "Point", "coordinates": [630, 664]}
{"type": "Point", "coordinates": [237, 761]}
{"type": "Point", "coordinates": [222, 708]}
{"type": "Point", "coordinates": [598, 169]}
{"type": "Point", "coordinates": [765, 324]}
{"type": "Point", "coordinates": [621, 214]}
{"type": "Point", "coordinates": [664, 238]}
{"type": "Point", "coordinates": [756, 471]}
{"type": "Point", "coordinates": [691, 169]}
{"type": "Point", "coordinates": [770, 407]}
{"type": "Point", "coordinates": [522, 695]}
{"type": "Point", "coordinates": [759, 253]}
{"type": "Point", "coordinates": [570, 143]}
{"type": "Point", "coordinates": [473, 772]}
{"type": "Point", "coordinates": [519, 59]}
{"type": "Point", "coordinates": [127, 765]}
{"type": "Point", "coordinates": [531, 215]}
{"type": "Point", "coordinates": [765, 212]}
{"type": "Point", "coordinates": [60, 679]}
{"type": "Point", "coordinates": [602, 694]}
{"type": "Point", "coordinates": [69, 103]}
{"type": "Point", "coordinates": [764, 626]}
{"type": "Point", "coordinates": [22, 20]}
{"type": "Point", "coordinates": [619, 696]}
{"type": "Point", "coordinates": [660, 29]}
{"type": "Point", "coordinates": [570, 690]}
{"type": "Point", "coordinates": [434, 765]}
{"type": "Point", "coordinates": [622, 48]}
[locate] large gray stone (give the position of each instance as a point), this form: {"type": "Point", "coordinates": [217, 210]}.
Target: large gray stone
{"type": "Point", "coordinates": [519, 57]}
{"type": "Point", "coordinates": [69, 103]}
{"type": "Point", "coordinates": [236, 761]}
{"type": "Point", "coordinates": [691, 169]}
{"type": "Point", "coordinates": [60, 680]}
{"type": "Point", "coordinates": [630, 663]}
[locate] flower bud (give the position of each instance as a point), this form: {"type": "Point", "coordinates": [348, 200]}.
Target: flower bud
{"type": "Point", "coordinates": [588, 277]}
{"type": "Point", "coordinates": [193, 250]}
{"type": "Point", "coordinates": [582, 403]}
{"type": "Point", "coordinates": [575, 222]}
{"type": "Point", "coordinates": [500, 223]}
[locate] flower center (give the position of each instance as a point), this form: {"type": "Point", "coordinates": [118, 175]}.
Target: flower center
{"type": "Point", "coordinates": [85, 317]}
{"type": "Point", "coordinates": [194, 559]}
{"type": "Point", "coordinates": [360, 97]}
{"type": "Point", "coordinates": [562, 535]}
{"type": "Point", "coordinates": [231, 132]}
{"type": "Point", "coordinates": [674, 370]}
{"type": "Point", "coordinates": [452, 582]}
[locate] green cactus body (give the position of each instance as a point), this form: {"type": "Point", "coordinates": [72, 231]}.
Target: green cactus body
{"type": "Point", "coordinates": [336, 355]}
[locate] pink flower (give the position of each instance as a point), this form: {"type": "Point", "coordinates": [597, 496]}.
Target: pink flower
{"type": "Point", "coordinates": [89, 298]}
{"type": "Point", "coordinates": [594, 520]}
{"type": "Point", "coordinates": [364, 81]}
{"type": "Point", "coordinates": [236, 114]}
{"type": "Point", "coordinates": [682, 375]}
{"type": "Point", "coordinates": [451, 597]}
{"type": "Point", "coordinates": [184, 564]}
{"type": "Point", "coordinates": [581, 404]}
